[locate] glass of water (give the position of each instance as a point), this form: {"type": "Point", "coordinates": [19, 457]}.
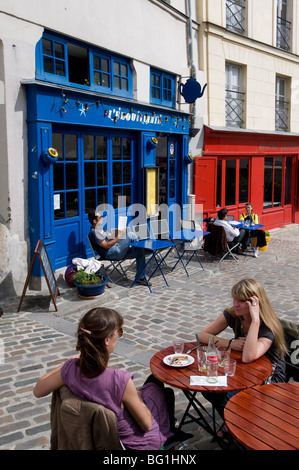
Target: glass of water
{"type": "Point", "coordinates": [229, 367]}
{"type": "Point", "coordinates": [202, 358]}
{"type": "Point", "coordinates": [178, 346]}
{"type": "Point", "coordinates": [223, 354]}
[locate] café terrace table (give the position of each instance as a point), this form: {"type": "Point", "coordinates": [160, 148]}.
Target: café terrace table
{"type": "Point", "coordinates": [241, 224]}
{"type": "Point", "coordinates": [246, 376]}
{"type": "Point", "coordinates": [265, 417]}
{"type": "Point", "coordinates": [153, 246]}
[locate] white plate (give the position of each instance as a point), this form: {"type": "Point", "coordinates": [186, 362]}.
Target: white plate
{"type": "Point", "coordinates": [178, 362]}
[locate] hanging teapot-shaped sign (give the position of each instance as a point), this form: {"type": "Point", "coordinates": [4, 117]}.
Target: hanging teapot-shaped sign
{"type": "Point", "coordinates": [191, 90]}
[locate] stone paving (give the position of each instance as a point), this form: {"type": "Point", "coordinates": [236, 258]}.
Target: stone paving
{"type": "Point", "coordinates": [38, 338]}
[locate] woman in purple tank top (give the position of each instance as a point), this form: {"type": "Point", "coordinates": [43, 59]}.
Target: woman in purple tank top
{"type": "Point", "coordinates": [143, 415]}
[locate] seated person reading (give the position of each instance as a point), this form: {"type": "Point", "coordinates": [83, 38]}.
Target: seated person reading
{"type": "Point", "coordinates": [115, 247]}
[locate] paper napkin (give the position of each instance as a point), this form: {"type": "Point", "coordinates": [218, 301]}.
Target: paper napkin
{"type": "Point", "coordinates": [202, 380]}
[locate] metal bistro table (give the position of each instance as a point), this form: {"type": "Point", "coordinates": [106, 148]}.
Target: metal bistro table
{"type": "Point", "coordinates": [241, 224]}
{"type": "Point", "coordinates": [154, 247]}
{"type": "Point", "coordinates": [265, 417]}
{"type": "Point", "coordinates": [247, 375]}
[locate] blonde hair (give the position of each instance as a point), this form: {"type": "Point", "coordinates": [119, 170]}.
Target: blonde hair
{"type": "Point", "coordinates": [247, 288]}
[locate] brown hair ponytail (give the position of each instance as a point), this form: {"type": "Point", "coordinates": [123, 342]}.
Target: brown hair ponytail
{"type": "Point", "coordinates": [95, 326]}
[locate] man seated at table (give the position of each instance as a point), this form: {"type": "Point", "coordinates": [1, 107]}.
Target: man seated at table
{"type": "Point", "coordinates": [258, 234]}
{"type": "Point", "coordinates": [233, 234]}
{"type": "Point", "coordinates": [115, 247]}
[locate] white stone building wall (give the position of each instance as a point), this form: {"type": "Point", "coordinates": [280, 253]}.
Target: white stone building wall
{"type": "Point", "coordinates": [151, 32]}
{"type": "Point", "coordinates": [256, 52]}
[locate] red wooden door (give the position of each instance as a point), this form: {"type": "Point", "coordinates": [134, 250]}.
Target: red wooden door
{"type": "Point", "coordinates": [205, 178]}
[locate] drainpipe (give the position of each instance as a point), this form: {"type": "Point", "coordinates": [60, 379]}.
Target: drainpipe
{"type": "Point", "coordinates": [190, 54]}
{"type": "Point", "coordinates": [191, 197]}
{"type": "Point", "coordinates": [190, 40]}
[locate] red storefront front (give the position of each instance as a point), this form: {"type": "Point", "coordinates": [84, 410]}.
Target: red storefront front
{"type": "Point", "coordinates": [238, 166]}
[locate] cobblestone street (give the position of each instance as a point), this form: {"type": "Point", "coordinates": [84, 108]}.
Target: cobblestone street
{"type": "Point", "coordinates": [38, 338]}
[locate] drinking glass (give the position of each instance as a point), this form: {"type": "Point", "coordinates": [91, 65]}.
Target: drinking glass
{"type": "Point", "coordinates": [178, 346]}
{"type": "Point", "coordinates": [229, 367]}
{"type": "Point", "coordinates": [212, 372]}
{"type": "Point", "coordinates": [223, 354]}
{"type": "Point", "coordinates": [202, 358]}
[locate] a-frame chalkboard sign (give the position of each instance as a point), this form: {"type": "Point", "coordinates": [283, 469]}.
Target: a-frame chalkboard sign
{"type": "Point", "coordinates": [43, 257]}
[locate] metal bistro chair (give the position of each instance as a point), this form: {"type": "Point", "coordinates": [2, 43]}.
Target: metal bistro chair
{"type": "Point", "coordinates": [217, 245]}
{"type": "Point", "coordinates": [160, 228]}
{"type": "Point", "coordinates": [191, 247]}
{"type": "Point", "coordinates": [291, 332]}
{"type": "Point", "coordinates": [78, 424]}
{"type": "Point", "coordinates": [115, 264]}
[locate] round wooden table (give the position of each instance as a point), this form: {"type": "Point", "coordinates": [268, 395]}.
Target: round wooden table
{"type": "Point", "coordinates": [247, 375]}
{"type": "Point", "coordinates": [265, 417]}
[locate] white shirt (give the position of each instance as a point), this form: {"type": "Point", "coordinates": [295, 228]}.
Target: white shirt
{"type": "Point", "coordinates": [231, 232]}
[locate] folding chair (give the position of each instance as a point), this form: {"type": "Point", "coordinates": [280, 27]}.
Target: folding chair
{"type": "Point", "coordinates": [115, 264]}
{"type": "Point", "coordinates": [160, 229]}
{"type": "Point", "coordinates": [191, 246]}
{"type": "Point", "coordinates": [291, 333]}
{"type": "Point", "coordinates": [216, 243]}
{"type": "Point", "coordinates": [79, 424]}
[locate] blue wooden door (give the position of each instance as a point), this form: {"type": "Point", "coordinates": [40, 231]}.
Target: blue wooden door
{"type": "Point", "coordinates": [168, 161]}
{"type": "Point", "coordinates": [93, 169]}
{"type": "Point", "coordinates": [173, 185]}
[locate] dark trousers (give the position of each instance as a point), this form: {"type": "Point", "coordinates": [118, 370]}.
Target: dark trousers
{"type": "Point", "coordinates": [218, 400]}
{"type": "Point", "coordinates": [241, 238]}
{"type": "Point", "coordinates": [260, 236]}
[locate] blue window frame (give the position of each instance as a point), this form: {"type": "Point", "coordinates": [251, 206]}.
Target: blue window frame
{"type": "Point", "coordinates": [122, 156]}
{"type": "Point", "coordinates": [59, 60]}
{"type": "Point", "coordinates": [162, 88]}
{"type": "Point", "coordinates": [101, 71]}
{"type": "Point", "coordinates": [54, 57]}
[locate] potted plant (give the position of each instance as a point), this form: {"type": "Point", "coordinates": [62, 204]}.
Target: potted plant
{"type": "Point", "coordinates": [268, 238]}
{"type": "Point", "coordinates": [89, 285]}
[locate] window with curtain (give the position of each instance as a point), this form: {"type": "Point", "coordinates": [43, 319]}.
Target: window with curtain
{"type": "Point", "coordinates": [281, 105]}
{"type": "Point", "coordinates": [284, 25]}
{"type": "Point", "coordinates": [234, 97]}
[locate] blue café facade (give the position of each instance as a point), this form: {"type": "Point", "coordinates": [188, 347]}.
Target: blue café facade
{"type": "Point", "coordinates": [91, 144]}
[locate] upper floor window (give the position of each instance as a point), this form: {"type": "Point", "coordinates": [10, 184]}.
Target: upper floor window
{"type": "Point", "coordinates": [162, 88]}
{"type": "Point", "coordinates": [235, 16]}
{"type": "Point", "coordinates": [54, 57]}
{"type": "Point", "coordinates": [283, 33]}
{"type": "Point", "coordinates": [61, 61]}
{"type": "Point", "coordinates": [281, 105]}
{"type": "Point", "coordinates": [234, 97]}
